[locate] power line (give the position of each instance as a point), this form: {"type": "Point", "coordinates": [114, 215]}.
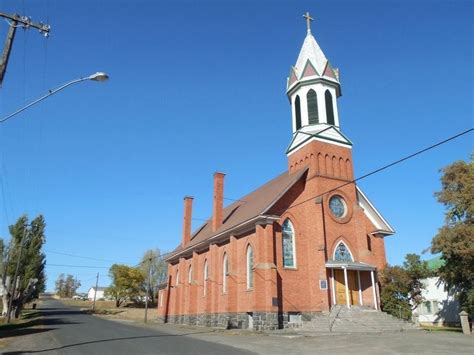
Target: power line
{"type": "Point", "coordinates": [383, 167]}
{"type": "Point", "coordinates": [81, 266]}
{"type": "Point", "coordinates": [96, 259]}
{"type": "Point", "coordinates": [83, 257]}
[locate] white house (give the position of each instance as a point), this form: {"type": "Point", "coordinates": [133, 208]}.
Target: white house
{"type": "Point", "coordinates": [99, 295]}
{"type": "Point", "coordinates": [439, 306]}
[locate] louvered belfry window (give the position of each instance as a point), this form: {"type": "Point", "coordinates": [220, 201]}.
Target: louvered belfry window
{"type": "Point", "coordinates": [312, 99]}
{"type": "Point", "coordinates": [298, 112]}
{"type": "Point", "coordinates": [329, 108]}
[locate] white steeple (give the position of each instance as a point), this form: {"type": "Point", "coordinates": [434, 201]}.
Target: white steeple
{"type": "Point", "coordinates": [313, 88]}
{"type": "Point", "coordinates": [312, 52]}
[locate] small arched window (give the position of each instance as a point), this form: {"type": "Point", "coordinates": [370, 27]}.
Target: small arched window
{"type": "Point", "coordinates": [206, 277]}
{"type": "Point", "coordinates": [329, 108]}
{"type": "Point", "coordinates": [190, 274]}
{"type": "Point", "coordinates": [177, 277]}
{"type": "Point", "coordinates": [342, 253]}
{"type": "Point", "coordinates": [312, 100]}
{"type": "Point", "coordinates": [249, 267]}
{"type": "Point", "coordinates": [297, 112]}
{"type": "Point", "coordinates": [225, 273]}
{"type": "Point", "coordinates": [288, 236]}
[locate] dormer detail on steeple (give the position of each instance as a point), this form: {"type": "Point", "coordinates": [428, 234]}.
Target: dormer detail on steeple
{"type": "Point", "coordinates": [309, 70]}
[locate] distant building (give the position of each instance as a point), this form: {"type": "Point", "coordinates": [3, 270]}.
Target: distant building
{"type": "Point", "coordinates": [439, 306]}
{"type": "Point", "coordinates": [100, 293]}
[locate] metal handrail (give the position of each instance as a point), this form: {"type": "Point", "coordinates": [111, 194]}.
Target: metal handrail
{"type": "Point", "coordinates": [333, 320]}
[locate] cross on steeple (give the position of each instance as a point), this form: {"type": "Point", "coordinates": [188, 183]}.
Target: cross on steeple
{"type": "Point", "coordinates": [308, 21]}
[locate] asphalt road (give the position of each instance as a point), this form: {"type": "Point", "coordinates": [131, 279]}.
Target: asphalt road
{"type": "Point", "coordinates": [67, 330]}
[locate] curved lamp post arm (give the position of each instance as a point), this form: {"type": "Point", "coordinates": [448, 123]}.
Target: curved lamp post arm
{"type": "Point", "coordinates": [99, 76]}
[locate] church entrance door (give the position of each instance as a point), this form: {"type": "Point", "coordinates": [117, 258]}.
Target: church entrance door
{"type": "Point", "coordinates": [341, 287]}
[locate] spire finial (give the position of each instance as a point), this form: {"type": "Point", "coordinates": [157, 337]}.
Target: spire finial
{"type": "Point", "coordinates": [308, 21]}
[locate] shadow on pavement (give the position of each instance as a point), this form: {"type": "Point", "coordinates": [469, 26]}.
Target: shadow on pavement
{"type": "Point", "coordinates": [19, 329]}
{"type": "Point", "coordinates": [103, 341]}
{"type": "Point", "coordinates": [61, 312]}
{"type": "Point", "coordinates": [24, 331]}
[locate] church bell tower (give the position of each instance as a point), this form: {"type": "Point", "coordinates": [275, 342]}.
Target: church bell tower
{"type": "Point", "coordinates": [313, 88]}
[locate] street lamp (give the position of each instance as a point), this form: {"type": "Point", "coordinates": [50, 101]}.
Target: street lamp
{"type": "Point", "coordinates": [99, 76]}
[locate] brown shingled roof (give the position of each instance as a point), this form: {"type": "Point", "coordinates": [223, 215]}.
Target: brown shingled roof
{"type": "Point", "coordinates": [250, 206]}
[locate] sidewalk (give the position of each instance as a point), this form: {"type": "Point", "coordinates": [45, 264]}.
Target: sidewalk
{"type": "Point", "coordinates": [274, 343]}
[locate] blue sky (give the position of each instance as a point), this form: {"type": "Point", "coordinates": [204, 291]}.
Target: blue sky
{"type": "Point", "coordinates": [199, 86]}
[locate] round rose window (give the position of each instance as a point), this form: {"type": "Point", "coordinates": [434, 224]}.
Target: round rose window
{"type": "Point", "coordinates": [337, 206]}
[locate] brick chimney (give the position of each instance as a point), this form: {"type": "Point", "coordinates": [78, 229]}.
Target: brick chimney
{"type": "Point", "coordinates": [218, 202]}
{"type": "Point", "coordinates": [188, 211]}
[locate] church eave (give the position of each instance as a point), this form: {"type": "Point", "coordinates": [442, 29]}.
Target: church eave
{"type": "Point", "coordinates": [382, 233]}
{"type": "Point", "coordinates": [283, 192]}
{"type": "Point", "coordinates": [383, 227]}
{"type": "Point", "coordinates": [221, 237]}
{"type": "Point", "coordinates": [260, 217]}
{"type": "Point", "coordinates": [317, 136]}
{"type": "Point", "coordinates": [312, 80]}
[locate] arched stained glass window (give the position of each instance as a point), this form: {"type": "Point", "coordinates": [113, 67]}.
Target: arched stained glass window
{"type": "Point", "coordinates": [329, 108]}
{"type": "Point", "coordinates": [249, 267]}
{"type": "Point", "coordinates": [298, 112]}
{"type": "Point", "coordinates": [342, 253]}
{"type": "Point", "coordinates": [206, 276]}
{"type": "Point", "coordinates": [312, 100]}
{"type": "Point", "coordinates": [288, 236]}
{"type": "Point", "coordinates": [225, 272]}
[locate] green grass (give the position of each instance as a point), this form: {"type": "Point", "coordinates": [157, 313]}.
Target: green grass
{"type": "Point", "coordinates": [26, 317]}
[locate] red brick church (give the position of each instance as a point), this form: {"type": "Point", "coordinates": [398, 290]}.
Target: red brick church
{"type": "Point", "coordinates": [303, 242]}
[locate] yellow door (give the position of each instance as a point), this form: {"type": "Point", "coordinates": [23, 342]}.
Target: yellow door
{"type": "Point", "coordinates": [341, 288]}
{"type": "Point", "coordinates": [353, 286]}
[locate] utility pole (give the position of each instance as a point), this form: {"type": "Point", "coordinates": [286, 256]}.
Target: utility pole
{"type": "Point", "coordinates": [95, 292]}
{"type": "Point", "coordinates": [17, 21]}
{"type": "Point", "coordinates": [147, 289]}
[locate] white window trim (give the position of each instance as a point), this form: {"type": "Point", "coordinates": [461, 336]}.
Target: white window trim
{"type": "Point", "coordinates": [293, 244]}
{"type": "Point", "coordinates": [190, 274]}
{"type": "Point", "coordinates": [225, 271]}
{"type": "Point", "coordinates": [347, 247]}
{"type": "Point", "coordinates": [249, 270]}
{"type": "Point", "coordinates": [206, 276]}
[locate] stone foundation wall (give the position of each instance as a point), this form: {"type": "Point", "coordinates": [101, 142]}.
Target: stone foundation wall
{"type": "Point", "coordinates": [259, 320]}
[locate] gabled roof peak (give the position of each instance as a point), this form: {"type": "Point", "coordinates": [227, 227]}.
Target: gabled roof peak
{"type": "Point", "coordinates": [312, 52]}
{"type": "Point", "coordinates": [312, 55]}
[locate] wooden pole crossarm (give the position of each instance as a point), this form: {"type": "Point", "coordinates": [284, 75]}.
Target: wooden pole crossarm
{"type": "Point", "coordinates": [26, 22]}
{"type": "Point", "coordinates": [16, 21]}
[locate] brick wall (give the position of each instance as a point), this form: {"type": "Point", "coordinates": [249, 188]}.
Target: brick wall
{"type": "Point", "coordinates": [278, 290]}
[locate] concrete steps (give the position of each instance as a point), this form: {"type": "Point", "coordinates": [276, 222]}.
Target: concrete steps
{"type": "Point", "coordinates": [362, 320]}
{"type": "Point", "coordinates": [340, 320]}
{"type": "Point", "coordinates": [355, 320]}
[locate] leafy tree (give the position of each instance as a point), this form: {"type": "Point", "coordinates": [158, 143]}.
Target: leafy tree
{"type": "Point", "coordinates": [127, 283]}
{"type": "Point", "coordinates": [402, 286]}
{"type": "Point", "coordinates": [30, 260]}
{"type": "Point", "coordinates": [66, 286]}
{"type": "Point", "coordinates": [455, 240]}
{"type": "Point", "coordinates": [152, 263]}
